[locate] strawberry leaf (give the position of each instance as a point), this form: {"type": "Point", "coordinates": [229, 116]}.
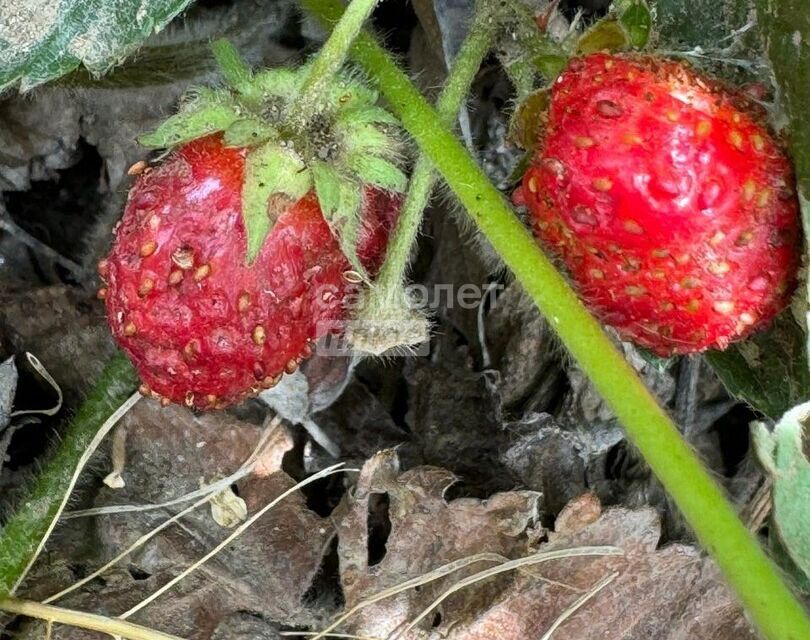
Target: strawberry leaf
{"type": "Point", "coordinates": [769, 370]}
{"type": "Point", "coordinates": [41, 41]}
{"type": "Point", "coordinates": [275, 178]}
{"type": "Point", "coordinates": [782, 454]}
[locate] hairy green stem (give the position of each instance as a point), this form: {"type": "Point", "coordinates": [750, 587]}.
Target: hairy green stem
{"type": "Point", "coordinates": [772, 606]}
{"type": "Point", "coordinates": [23, 533]}
{"type": "Point", "coordinates": [466, 65]}
{"type": "Point", "coordinates": [332, 56]}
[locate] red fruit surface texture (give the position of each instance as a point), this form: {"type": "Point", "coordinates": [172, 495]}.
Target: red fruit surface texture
{"type": "Point", "coordinates": [671, 205]}
{"type": "Point", "coordinates": [202, 327]}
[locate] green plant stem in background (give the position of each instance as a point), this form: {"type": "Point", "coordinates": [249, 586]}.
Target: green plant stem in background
{"type": "Point", "coordinates": [423, 178]}
{"type": "Point", "coordinates": [747, 569]}
{"type": "Point", "coordinates": [21, 536]}
{"type": "Point", "coordinates": [332, 56]}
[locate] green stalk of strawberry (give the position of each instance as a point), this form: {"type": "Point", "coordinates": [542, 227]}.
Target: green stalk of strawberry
{"type": "Point", "coordinates": [237, 251]}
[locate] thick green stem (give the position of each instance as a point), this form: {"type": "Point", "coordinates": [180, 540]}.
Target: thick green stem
{"type": "Point", "coordinates": [466, 65]}
{"type": "Point", "coordinates": [20, 538]}
{"type": "Point", "coordinates": [332, 56]}
{"type": "Point", "coordinates": [748, 570]}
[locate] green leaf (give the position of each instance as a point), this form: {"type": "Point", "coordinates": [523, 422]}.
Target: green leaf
{"type": "Point", "coordinates": [769, 370]}
{"type": "Point", "coordinates": [189, 125]}
{"type": "Point", "coordinates": [786, 27]}
{"type": "Point", "coordinates": [377, 171]}
{"type": "Point", "coordinates": [275, 178]}
{"type": "Point", "coordinates": [40, 41]}
{"type": "Point", "coordinates": [634, 16]}
{"type": "Point", "coordinates": [607, 34]}
{"type": "Point", "coordinates": [782, 454]}
{"type": "Point", "coordinates": [249, 132]}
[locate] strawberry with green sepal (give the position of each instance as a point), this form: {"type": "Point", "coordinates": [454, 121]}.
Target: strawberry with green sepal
{"type": "Point", "coordinates": [238, 249]}
{"type": "Point", "coordinates": [669, 201]}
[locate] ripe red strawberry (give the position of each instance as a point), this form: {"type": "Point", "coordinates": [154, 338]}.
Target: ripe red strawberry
{"type": "Point", "coordinates": [668, 200]}
{"type": "Point", "coordinates": [202, 327]}
{"type": "Point", "coordinates": [242, 246]}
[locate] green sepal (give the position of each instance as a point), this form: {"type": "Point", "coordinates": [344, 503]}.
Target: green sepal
{"type": "Point", "coordinates": [236, 73]}
{"type": "Point", "coordinates": [249, 132]}
{"type": "Point", "coordinates": [367, 139]}
{"type": "Point", "coordinates": [208, 112]}
{"type": "Point", "coordinates": [278, 82]}
{"type": "Point", "coordinates": [348, 93]}
{"type": "Point", "coordinates": [275, 178]}
{"type": "Point", "coordinates": [605, 35]}
{"type": "Point", "coordinates": [341, 201]}
{"type": "Point", "coordinates": [635, 17]}
{"type": "Point", "coordinates": [378, 171]}
{"type": "Point", "coordinates": [366, 114]}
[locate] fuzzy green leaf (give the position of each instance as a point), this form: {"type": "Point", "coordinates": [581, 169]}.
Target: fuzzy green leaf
{"type": "Point", "coordinates": [249, 132]}
{"type": "Point", "coordinates": [275, 178]}
{"type": "Point", "coordinates": [41, 41]}
{"type": "Point", "coordinates": [782, 453]}
{"type": "Point", "coordinates": [768, 370]}
{"type": "Point", "coordinates": [190, 125]}
{"type": "Point", "coordinates": [377, 171]}
{"type": "Point", "coordinates": [634, 16]}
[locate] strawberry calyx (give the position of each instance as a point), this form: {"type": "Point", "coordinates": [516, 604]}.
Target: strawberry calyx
{"type": "Point", "coordinates": [348, 144]}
